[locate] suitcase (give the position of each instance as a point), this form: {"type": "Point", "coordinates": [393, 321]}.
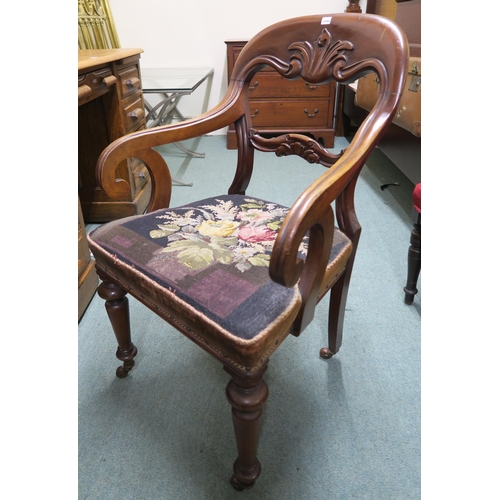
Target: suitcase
{"type": "Point", "coordinates": [408, 113]}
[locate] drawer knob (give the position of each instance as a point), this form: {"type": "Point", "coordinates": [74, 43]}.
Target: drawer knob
{"type": "Point", "coordinates": [312, 87]}
{"type": "Point", "coordinates": [255, 85]}
{"type": "Point", "coordinates": [256, 112]}
{"type": "Point", "coordinates": [310, 115]}
{"type": "Point", "coordinates": [84, 90]}
{"type": "Point", "coordinates": [132, 82]}
{"type": "Point", "coordinates": [109, 80]}
{"type": "Point", "coordinates": [137, 114]}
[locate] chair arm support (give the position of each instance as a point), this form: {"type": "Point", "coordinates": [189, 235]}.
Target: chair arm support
{"type": "Point", "coordinates": [139, 145]}
{"type": "Point", "coordinates": [309, 210]}
{"type": "Point", "coordinates": [312, 212]}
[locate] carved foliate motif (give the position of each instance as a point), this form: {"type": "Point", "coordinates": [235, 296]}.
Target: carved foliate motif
{"type": "Point", "coordinates": [299, 149]}
{"type": "Point", "coordinates": [294, 144]}
{"type": "Point", "coordinates": [319, 61]}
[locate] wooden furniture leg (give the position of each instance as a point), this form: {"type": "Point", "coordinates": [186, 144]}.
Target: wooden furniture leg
{"type": "Point", "coordinates": [118, 313]}
{"type": "Point", "coordinates": [247, 396]}
{"type": "Point", "coordinates": [414, 263]}
{"type": "Point", "coordinates": [338, 299]}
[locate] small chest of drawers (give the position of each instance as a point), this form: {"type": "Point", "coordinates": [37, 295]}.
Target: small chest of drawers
{"type": "Point", "coordinates": [278, 105]}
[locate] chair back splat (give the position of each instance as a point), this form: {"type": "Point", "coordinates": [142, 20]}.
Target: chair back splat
{"type": "Point", "coordinates": [237, 274]}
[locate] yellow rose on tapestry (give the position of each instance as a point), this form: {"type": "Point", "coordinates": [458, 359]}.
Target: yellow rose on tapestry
{"type": "Point", "coordinates": [217, 228]}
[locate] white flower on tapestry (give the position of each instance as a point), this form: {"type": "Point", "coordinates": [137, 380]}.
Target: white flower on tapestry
{"type": "Point", "coordinates": [242, 236]}
{"type": "Point", "coordinates": [225, 210]}
{"type": "Point", "coordinates": [246, 257]}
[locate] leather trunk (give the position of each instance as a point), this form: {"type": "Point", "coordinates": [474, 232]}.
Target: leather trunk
{"type": "Point", "coordinates": [408, 113]}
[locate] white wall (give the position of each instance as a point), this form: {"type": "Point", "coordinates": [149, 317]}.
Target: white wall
{"type": "Point", "coordinates": [191, 33]}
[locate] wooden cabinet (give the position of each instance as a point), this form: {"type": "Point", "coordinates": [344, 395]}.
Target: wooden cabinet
{"type": "Point", "coordinates": [110, 105]}
{"type": "Point", "coordinates": [87, 276]}
{"type": "Point", "coordinates": [279, 105]}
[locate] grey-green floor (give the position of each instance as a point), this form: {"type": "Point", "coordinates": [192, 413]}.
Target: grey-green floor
{"type": "Point", "coordinates": [344, 428]}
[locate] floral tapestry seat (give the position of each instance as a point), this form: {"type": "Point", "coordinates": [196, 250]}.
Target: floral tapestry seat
{"type": "Point", "coordinates": [211, 258]}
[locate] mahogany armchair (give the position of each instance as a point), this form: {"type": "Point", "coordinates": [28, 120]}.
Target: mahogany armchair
{"type": "Point", "coordinates": [237, 274]}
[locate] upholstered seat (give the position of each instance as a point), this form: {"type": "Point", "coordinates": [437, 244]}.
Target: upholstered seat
{"type": "Point", "coordinates": [209, 262]}
{"type": "Point", "coordinates": [234, 273]}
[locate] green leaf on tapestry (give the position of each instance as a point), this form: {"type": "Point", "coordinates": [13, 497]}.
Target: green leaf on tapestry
{"type": "Point", "coordinates": [274, 225]}
{"type": "Point", "coordinates": [196, 258]}
{"type": "Point", "coordinates": [175, 246]}
{"type": "Point", "coordinates": [224, 241]}
{"type": "Point", "coordinates": [223, 256]}
{"type": "Point", "coordinates": [255, 204]}
{"type": "Point", "coordinates": [165, 230]}
{"type": "Point", "coordinates": [259, 260]}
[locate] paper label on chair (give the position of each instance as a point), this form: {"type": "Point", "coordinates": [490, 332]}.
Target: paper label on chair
{"type": "Point", "coordinates": [326, 20]}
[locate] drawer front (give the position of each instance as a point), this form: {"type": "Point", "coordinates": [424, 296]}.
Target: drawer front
{"type": "Point", "coordinates": [139, 174]}
{"type": "Point", "coordinates": [307, 113]}
{"type": "Point", "coordinates": [270, 84]}
{"type": "Point", "coordinates": [129, 81]}
{"type": "Point", "coordinates": [133, 109]}
{"type": "Point", "coordinates": [94, 84]}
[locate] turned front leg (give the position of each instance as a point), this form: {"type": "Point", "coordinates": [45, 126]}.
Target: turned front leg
{"type": "Point", "coordinates": [119, 316]}
{"type": "Point", "coordinates": [247, 397]}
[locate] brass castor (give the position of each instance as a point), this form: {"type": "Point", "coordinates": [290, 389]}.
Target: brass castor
{"type": "Point", "coordinates": [122, 371]}
{"type": "Point", "coordinates": [325, 353]}
{"type": "Point", "coordinates": [238, 486]}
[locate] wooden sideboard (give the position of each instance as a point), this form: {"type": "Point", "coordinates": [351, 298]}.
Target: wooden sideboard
{"type": "Point", "coordinates": [110, 105]}
{"type": "Point", "coordinates": [278, 105]}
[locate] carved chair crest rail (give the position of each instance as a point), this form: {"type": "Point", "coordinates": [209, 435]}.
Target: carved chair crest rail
{"type": "Point", "coordinates": [234, 273]}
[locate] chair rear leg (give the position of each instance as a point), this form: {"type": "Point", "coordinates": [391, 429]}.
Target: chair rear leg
{"type": "Point", "coordinates": [118, 313]}
{"type": "Point", "coordinates": [247, 396]}
{"type": "Point", "coordinates": [338, 300]}
{"type": "Point", "coordinates": [414, 263]}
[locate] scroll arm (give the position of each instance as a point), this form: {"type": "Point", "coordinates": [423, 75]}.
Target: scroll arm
{"type": "Point", "coordinates": [285, 266]}
{"type": "Point", "coordinates": [161, 180]}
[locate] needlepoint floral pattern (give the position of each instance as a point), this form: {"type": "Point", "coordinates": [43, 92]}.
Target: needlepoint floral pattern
{"type": "Point", "coordinates": [232, 234]}
{"type": "Point", "coordinates": [212, 254]}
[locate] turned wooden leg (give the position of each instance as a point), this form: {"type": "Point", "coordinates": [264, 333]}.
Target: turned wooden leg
{"type": "Point", "coordinates": [118, 313]}
{"type": "Point", "coordinates": [414, 263]}
{"type": "Point", "coordinates": [247, 396]}
{"type": "Point", "coordinates": [338, 299]}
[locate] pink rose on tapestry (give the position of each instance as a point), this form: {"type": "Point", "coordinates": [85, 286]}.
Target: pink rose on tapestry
{"type": "Point", "coordinates": [256, 234]}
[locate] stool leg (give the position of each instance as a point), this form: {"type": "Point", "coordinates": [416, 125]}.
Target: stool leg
{"type": "Point", "coordinates": [414, 254]}
{"type": "Point", "coordinates": [118, 313]}
{"type": "Point", "coordinates": [247, 396]}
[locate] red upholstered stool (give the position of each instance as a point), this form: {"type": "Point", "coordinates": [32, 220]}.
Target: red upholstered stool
{"type": "Point", "coordinates": [414, 250]}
